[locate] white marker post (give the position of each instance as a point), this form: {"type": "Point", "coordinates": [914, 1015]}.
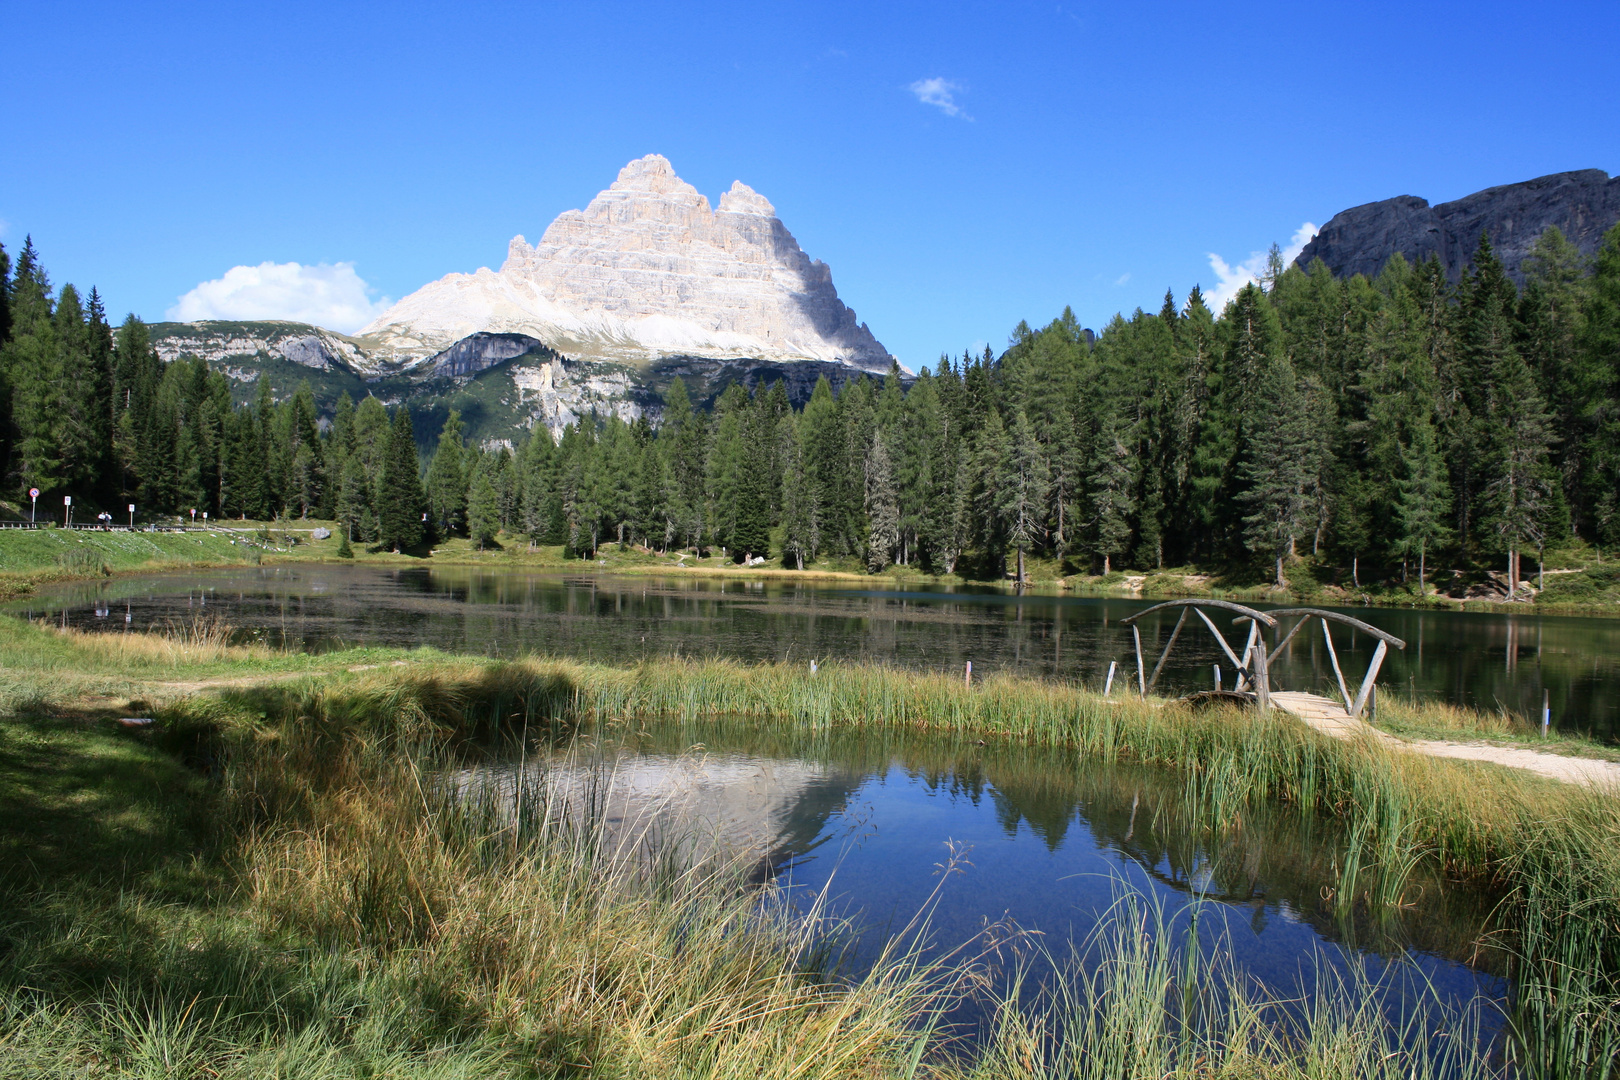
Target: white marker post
{"type": "Point", "coordinates": [1108, 683]}
{"type": "Point", "coordinates": [131, 517]}
{"type": "Point", "coordinates": [67, 512]}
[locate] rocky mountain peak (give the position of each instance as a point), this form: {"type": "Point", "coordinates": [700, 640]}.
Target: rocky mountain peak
{"type": "Point", "coordinates": [1583, 204]}
{"type": "Point", "coordinates": [647, 270]}
{"type": "Point", "coordinates": [742, 199]}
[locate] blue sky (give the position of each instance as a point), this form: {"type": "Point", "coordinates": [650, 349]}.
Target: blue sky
{"type": "Point", "coordinates": [959, 166]}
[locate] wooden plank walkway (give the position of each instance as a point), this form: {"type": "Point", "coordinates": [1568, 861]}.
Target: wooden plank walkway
{"type": "Point", "coordinates": [1323, 714]}
{"type": "Point", "coordinates": [1330, 718]}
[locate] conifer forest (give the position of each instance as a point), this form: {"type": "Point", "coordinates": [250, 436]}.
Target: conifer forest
{"type": "Point", "coordinates": [1396, 424]}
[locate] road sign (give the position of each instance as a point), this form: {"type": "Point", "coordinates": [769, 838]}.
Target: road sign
{"type": "Point", "coordinates": [67, 500]}
{"type": "Point", "coordinates": [33, 493]}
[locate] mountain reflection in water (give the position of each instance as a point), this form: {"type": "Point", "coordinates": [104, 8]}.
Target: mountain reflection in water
{"type": "Point", "coordinates": [1043, 839]}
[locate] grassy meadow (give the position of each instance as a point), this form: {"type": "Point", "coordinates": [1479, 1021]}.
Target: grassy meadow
{"type": "Point", "coordinates": [264, 882]}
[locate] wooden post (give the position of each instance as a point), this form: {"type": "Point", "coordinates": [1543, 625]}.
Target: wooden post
{"type": "Point", "coordinates": [1217, 668]}
{"type": "Point", "coordinates": [1262, 677]}
{"type": "Point", "coordinates": [1108, 683]}
{"type": "Point", "coordinates": [967, 675]}
{"type": "Point", "coordinates": [1546, 711]}
{"type": "Point", "coordinates": [1141, 679]}
{"type": "Point", "coordinates": [1152, 682]}
{"type": "Point", "coordinates": [1334, 656]}
{"type": "Point", "coordinates": [1246, 668]}
{"type": "Point", "coordinates": [1372, 677]}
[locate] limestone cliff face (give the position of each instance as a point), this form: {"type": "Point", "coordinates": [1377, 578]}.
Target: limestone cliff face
{"type": "Point", "coordinates": [1360, 240]}
{"type": "Point", "coordinates": [647, 271]}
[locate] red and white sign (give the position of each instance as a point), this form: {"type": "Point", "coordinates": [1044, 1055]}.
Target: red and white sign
{"type": "Point", "coordinates": [33, 493]}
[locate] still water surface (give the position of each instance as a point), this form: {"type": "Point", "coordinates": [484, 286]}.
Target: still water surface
{"type": "Point", "coordinates": [1043, 840]}
{"type": "Point", "coordinates": [1486, 660]}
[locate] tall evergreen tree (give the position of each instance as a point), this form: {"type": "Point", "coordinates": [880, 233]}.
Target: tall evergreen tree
{"type": "Point", "coordinates": [882, 506]}
{"type": "Point", "coordinates": [1520, 494]}
{"type": "Point", "coordinates": [447, 481]}
{"type": "Point", "coordinates": [1424, 499]}
{"type": "Point", "coordinates": [1276, 474]}
{"type": "Point", "coordinates": [483, 511]}
{"type": "Point", "coordinates": [400, 502]}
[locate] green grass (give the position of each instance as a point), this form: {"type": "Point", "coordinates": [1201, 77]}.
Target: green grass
{"type": "Point", "coordinates": [265, 884]}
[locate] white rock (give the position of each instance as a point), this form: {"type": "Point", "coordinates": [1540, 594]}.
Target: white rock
{"type": "Point", "coordinates": [647, 270]}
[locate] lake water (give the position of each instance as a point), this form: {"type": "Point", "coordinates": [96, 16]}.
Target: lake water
{"type": "Point", "coordinates": [1011, 837]}
{"type": "Point", "coordinates": [1486, 660]}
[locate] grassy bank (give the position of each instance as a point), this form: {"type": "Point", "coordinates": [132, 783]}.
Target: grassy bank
{"type": "Point", "coordinates": [261, 883]}
{"type": "Point", "coordinates": [1579, 582]}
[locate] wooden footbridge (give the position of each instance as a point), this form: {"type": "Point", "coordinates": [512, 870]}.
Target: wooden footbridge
{"type": "Point", "coordinates": [1252, 664]}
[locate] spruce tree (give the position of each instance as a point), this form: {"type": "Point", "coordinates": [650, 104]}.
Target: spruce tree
{"type": "Point", "coordinates": [483, 511]}
{"type": "Point", "coordinates": [1518, 439]}
{"type": "Point", "coordinates": [542, 509]}
{"type": "Point", "coordinates": [1112, 484]}
{"type": "Point", "coordinates": [801, 514]}
{"type": "Point", "coordinates": [1276, 474]}
{"type": "Point", "coordinates": [1021, 489]}
{"type": "Point", "coordinates": [1597, 344]}
{"type": "Point", "coordinates": [882, 506]}
{"type": "Point", "coordinates": [1423, 499]}
{"type": "Point", "coordinates": [400, 502]}
{"type": "Point", "coordinates": [447, 480]}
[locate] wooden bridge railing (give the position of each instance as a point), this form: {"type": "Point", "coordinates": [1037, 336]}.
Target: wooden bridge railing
{"type": "Point", "coordinates": [1253, 663]}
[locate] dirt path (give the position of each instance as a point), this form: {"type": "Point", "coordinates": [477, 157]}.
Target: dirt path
{"type": "Point", "coordinates": [1330, 718]}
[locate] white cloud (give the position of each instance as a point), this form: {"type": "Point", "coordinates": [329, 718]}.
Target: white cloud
{"type": "Point", "coordinates": [941, 94]}
{"type": "Point", "coordinates": [1229, 278]}
{"type": "Point", "coordinates": [330, 296]}
{"type": "Point", "coordinates": [5, 228]}
{"type": "Point", "coordinates": [1123, 278]}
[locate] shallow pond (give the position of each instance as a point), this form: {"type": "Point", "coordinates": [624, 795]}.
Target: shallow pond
{"type": "Point", "coordinates": [1487, 660]}
{"type": "Point", "coordinates": [1041, 840]}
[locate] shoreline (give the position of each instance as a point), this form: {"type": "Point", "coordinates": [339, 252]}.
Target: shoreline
{"type": "Point", "coordinates": [221, 548]}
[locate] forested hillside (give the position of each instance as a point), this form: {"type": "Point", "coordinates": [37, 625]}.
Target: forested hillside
{"type": "Point", "coordinates": [1382, 423]}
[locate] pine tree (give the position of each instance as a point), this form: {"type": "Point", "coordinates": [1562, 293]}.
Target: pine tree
{"type": "Point", "coordinates": [1112, 483]}
{"type": "Point", "coordinates": [542, 507]}
{"type": "Point", "coordinates": [826, 467]}
{"type": "Point", "coordinates": [1597, 345]}
{"type": "Point", "coordinates": [447, 481]}
{"type": "Point", "coordinates": [1423, 499]}
{"type": "Point", "coordinates": [1277, 473]}
{"type": "Point", "coordinates": [1518, 440]}
{"type": "Point", "coordinates": [882, 506]}
{"type": "Point", "coordinates": [483, 511]}
{"type": "Point", "coordinates": [756, 498]}
{"type": "Point", "coordinates": [400, 501]}
{"type": "Point", "coordinates": [1022, 489]}
{"type": "Point", "coordinates": [801, 513]}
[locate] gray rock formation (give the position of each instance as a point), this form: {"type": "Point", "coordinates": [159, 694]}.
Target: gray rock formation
{"type": "Point", "coordinates": [480, 352]}
{"type": "Point", "coordinates": [1360, 240]}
